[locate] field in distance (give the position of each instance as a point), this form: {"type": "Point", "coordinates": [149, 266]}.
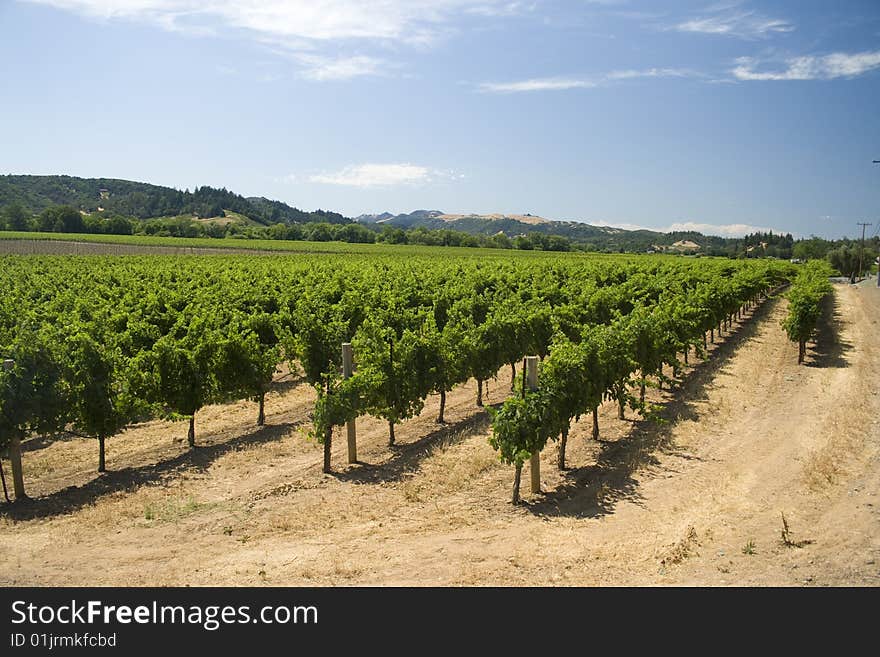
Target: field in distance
{"type": "Point", "coordinates": [12, 242]}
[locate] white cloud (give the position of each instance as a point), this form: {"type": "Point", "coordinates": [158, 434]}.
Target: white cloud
{"type": "Point", "coordinates": [721, 230]}
{"type": "Point", "coordinates": [621, 225]}
{"type": "Point", "coordinates": [730, 20]}
{"type": "Point", "coordinates": [378, 175]}
{"type": "Point", "coordinates": [536, 84]}
{"type": "Point", "coordinates": [827, 67]}
{"type": "Point", "coordinates": [564, 83]}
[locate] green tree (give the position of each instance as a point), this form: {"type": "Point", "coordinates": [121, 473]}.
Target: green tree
{"type": "Point", "coordinates": [117, 225]}
{"type": "Point", "coordinates": [61, 219]}
{"type": "Point", "coordinates": [16, 217]}
{"type": "Point", "coordinates": [845, 259]}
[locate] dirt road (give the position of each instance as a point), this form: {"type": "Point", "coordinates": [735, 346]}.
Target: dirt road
{"type": "Point", "coordinates": [697, 499]}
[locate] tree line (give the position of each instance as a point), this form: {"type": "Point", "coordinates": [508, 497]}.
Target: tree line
{"type": "Point", "coordinates": [67, 219]}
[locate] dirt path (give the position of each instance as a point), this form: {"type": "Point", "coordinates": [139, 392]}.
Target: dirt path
{"type": "Point", "coordinates": [694, 500]}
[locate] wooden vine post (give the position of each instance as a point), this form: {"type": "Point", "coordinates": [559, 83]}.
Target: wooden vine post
{"type": "Point", "coordinates": [8, 364]}
{"type": "Point", "coordinates": [535, 460]}
{"type": "Point", "coordinates": [15, 451]}
{"type": "Point", "coordinates": [347, 369]}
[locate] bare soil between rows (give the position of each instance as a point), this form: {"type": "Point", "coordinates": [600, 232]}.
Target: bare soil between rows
{"type": "Point", "coordinates": [696, 498]}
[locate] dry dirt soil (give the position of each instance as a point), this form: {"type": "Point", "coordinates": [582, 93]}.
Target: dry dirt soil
{"type": "Point", "coordinates": [696, 498]}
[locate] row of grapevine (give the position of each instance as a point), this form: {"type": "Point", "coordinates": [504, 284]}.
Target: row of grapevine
{"type": "Point", "coordinates": [809, 288]}
{"type": "Point", "coordinates": [604, 362]}
{"type": "Point", "coordinates": [98, 343]}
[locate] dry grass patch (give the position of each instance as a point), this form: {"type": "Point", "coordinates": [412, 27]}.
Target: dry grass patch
{"type": "Point", "coordinates": [682, 549]}
{"type": "Point", "coordinates": [822, 468]}
{"type": "Point", "coordinates": [449, 467]}
{"type": "Point", "coordinates": [175, 508]}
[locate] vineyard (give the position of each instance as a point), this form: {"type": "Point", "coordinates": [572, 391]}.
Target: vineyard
{"type": "Point", "coordinates": [654, 407]}
{"type": "Point", "coordinates": [92, 345]}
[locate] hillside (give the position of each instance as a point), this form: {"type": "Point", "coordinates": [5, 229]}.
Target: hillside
{"type": "Point", "coordinates": [218, 212]}
{"type": "Point", "coordinates": [593, 237]}
{"type": "Point", "coordinates": [145, 201]}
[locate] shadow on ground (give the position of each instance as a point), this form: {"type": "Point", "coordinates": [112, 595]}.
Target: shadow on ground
{"type": "Point", "coordinates": [407, 457]}
{"type": "Point", "coordinates": [594, 490]}
{"type": "Point", "coordinates": [130, 479]}
{"type": "Point", "coordinates": [829, 349]}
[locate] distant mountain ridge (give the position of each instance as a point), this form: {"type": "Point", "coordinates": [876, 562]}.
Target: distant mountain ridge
{"type": "Point", "coordinates": [511, 225]}
{"type": "Point", "coordinates": [423, 217]}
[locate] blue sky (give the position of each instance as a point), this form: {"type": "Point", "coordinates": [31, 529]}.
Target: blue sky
{"type": "Point", "coordinates": [718, 116]}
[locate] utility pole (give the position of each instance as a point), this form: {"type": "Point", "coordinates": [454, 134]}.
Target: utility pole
{"type": "Point", "coordinates": [861, 246]}
{"type": "Point", "coordinates": [878, 259]}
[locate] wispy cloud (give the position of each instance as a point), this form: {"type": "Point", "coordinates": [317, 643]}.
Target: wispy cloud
{"type": "Point", "coordinates": [536, 84]}
{"type": "Point", "coordinates": [303, 26]}
{"type": "Point", "coordinates": [381, 175]}
{"type": "Point", "coordinates": [494, 9]}
{"type": "Point", "coordinates": [825, 67]}
{"type": "Point", "coordinates": [631, 74]}
{"type": "Point", "coordinates": [565, 83]}
{"type": "Point", "coordinates": [317, 67]}
{"type": "Point", "coordinates": [731, 20]}
{"type": "Point", "coordinates": [395, 20]}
